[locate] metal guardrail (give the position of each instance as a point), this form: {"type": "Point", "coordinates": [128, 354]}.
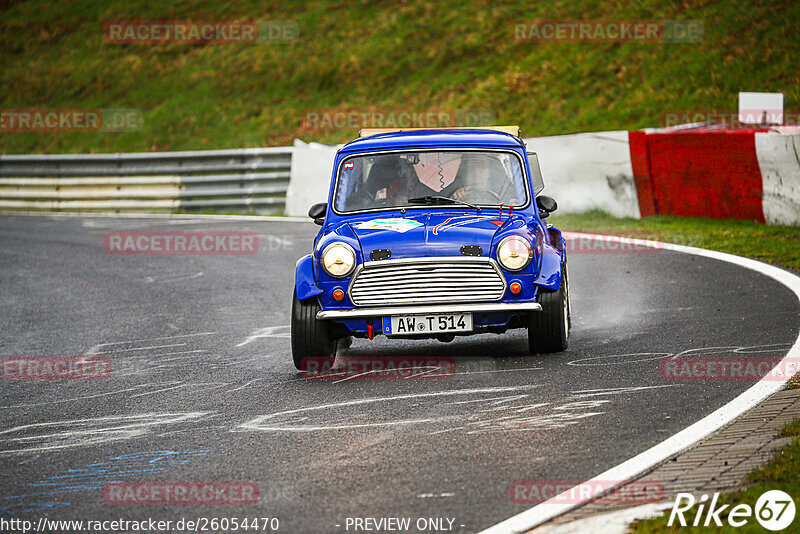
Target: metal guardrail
{"type": "Point", "coordinates": [249, 179]}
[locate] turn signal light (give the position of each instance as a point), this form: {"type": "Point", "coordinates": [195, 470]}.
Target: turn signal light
{"type": "Point", "coordinates": [338, 294]}
{"type": "Point", "coordinates": [515, 287]}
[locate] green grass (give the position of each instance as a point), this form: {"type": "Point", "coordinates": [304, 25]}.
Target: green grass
{"type": "Point", "coordinates": [779, 245]}
{"type": "Point", "coordinates": [794, 383]}
{"type": "Point", "coordinates": [382, 55]}
{"type": "Point", "coordinates": [781, 473]}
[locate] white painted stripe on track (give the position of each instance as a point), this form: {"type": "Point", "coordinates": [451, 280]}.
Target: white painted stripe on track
{"type": "Point", "coordinates": [609, 523]}
{"type": "Point", "coordinates": [643, 462]}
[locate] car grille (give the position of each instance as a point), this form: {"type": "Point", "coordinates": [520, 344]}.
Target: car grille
{"type": "Point", "coordinates": [416, 281]}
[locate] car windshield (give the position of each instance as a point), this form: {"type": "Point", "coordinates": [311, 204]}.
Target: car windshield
{"type": "Point", "coordinates": [390, 180]}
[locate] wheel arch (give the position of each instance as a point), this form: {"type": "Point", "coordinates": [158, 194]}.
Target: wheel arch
{"type": "Point", "coordinates": [550, 271]}
{"type": "Point", "coordinates": [305, 283]}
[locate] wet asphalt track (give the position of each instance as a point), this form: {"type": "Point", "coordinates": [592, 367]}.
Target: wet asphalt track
{"type": "Point", "coordinates": [203, 388]}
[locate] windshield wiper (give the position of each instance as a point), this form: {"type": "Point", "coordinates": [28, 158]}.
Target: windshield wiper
{"type": "Point", "coordinates": [438, 199]}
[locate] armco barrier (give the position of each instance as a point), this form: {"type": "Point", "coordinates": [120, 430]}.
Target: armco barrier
{"type": "Point", "coordinates": [253, 179]}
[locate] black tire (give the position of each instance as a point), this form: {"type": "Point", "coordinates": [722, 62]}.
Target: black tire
{"type": "Point", "coordinates": [548, 330]}
{"type": "Point", "coordinates": [311, 338]}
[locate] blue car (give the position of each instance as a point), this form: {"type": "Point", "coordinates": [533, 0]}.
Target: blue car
{"type": "Point", "coordinates": [432, 233]}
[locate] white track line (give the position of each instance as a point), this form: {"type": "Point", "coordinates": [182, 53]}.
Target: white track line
{"type": "Point", "coordinates": [93, 350]}
{"type": "Point", "coordinates": [609, 523]}
{"type": "Point", "coordinates": [687, 437]}
{"type": "Point", "coordinates": [135, 349]}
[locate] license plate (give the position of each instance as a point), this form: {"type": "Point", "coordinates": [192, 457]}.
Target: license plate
{"type": "Point", "coordinates": [428, 324]}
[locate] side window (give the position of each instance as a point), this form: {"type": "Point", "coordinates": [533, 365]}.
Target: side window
{"type": "Point", "coordinates": [536, 173]}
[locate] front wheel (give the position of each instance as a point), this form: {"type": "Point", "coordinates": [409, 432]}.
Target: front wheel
{"type": "Point", "coordinates": [311, 338]}
{"type": "Point", "coordinates": [548, 330]}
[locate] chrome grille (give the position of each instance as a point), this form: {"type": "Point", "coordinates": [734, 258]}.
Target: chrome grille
{"type": "Point", "coordinates": [427, 280]}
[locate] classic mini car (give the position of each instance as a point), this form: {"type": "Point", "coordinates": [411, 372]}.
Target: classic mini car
{"type": "Point", "coordinates": [432, 233]}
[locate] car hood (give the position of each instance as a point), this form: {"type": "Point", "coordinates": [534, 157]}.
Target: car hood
{"type": "Point", "coordinates": [427, 234]}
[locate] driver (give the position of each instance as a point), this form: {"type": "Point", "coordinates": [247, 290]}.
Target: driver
{"type": "Point", "coordinates": [476, 179]}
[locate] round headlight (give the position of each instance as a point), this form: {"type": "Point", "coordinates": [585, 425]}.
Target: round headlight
{"type": "Point", "coordinates": [514, 253]}
{"type": "Point", "coordinates": [338, 259]}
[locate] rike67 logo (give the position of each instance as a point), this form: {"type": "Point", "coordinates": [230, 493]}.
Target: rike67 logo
{"type": "Point", "coordinates": [774, 510]}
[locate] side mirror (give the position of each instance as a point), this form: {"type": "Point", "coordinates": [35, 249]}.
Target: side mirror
{"type": "Point", "coordinates": [317, 212]}
{"type": "Point", "coordinates": [546, 205]}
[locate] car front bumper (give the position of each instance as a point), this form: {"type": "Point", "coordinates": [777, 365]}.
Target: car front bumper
{"type": "Point", "coordinates": [482, 307]}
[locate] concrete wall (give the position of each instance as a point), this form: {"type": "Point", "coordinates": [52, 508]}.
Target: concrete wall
{"type": "Point", "coordinates": [691, 172]}
{"type": "Point", "coordinates": [588, 171]}
{"type": "Point", "coordinates": [582, 172]}
{"type": "Point", "coordinates": [779, 161]}
{"type": "Point", "coordinates": [310, 177]}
